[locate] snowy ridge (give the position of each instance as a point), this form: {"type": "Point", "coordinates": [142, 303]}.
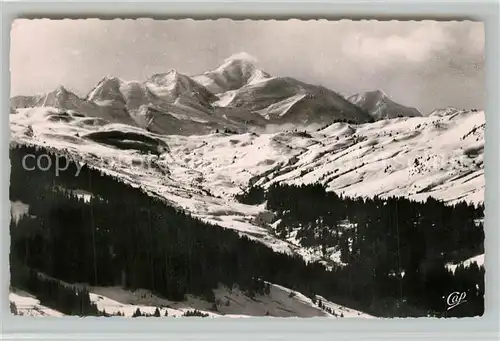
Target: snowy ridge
{"type": "Point", "coordinates": [445, 112]}
{"type": "Point", "coordinates": [235, 95]}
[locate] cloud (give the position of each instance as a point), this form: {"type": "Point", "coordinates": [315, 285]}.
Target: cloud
{"type": "Point", "coordinates": [242, 56]}
{"type": "Point", "coordinates": [417, 46]}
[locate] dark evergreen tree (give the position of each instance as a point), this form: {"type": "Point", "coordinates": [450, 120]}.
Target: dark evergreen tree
{"type": "Point", "coordinates": [137, 313]}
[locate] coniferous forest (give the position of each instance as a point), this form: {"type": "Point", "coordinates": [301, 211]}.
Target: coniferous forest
{"type": "Point", "coordinates": [125, 236]}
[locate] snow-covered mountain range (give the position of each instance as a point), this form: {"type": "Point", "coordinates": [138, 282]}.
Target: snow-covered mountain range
{"type": "Point", "coordinates": [236, 95]}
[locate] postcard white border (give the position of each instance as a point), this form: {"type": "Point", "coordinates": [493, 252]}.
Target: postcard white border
{"type": "Point", "coordinates": [290, 329]}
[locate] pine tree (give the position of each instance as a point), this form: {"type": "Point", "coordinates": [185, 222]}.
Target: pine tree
{"type": "Point", "coordinates": [137, 313]}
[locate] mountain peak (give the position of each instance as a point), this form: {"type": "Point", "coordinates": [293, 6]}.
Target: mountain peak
{"type": "Point", "coordinates": [173, 72]}
{"type": "Point", "coordinates": [235, 72]}
{"type": "Point", "coordinates": [241, 56]}
{"type": "Point", "coordinates": [111, 79]}
{"type": "Point", "coordinates": [380, 92]}
{"type": "Point", "coordinates": [241, 61]}
{"type": "Point", "coordinates": [61, 88]}
{"type": "Point", "coordinates": [59, 91]}
{"type": "Point", "coordinates": [166, 78]}
{"type": "Point", "coordinates": [380, 106]}
{"type": "Point", "coordinates": [107, 87]}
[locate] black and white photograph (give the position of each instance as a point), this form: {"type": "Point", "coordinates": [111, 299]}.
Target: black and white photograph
{"type": "Point", "coordinates": [247, 168]}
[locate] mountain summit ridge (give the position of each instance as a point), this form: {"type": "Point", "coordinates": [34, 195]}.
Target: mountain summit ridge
{"type": "Point", "coordinates": [235, 95]}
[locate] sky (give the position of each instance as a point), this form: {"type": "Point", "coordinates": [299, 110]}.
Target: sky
{"type": "Point", "coordinates": [423, 64]}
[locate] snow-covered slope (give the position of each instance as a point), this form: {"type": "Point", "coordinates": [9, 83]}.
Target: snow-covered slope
{"type": "Point", "coordinates": [287, 100]}
{"type": "Point", "coordinates": [413, 157]}
{"type": "Point", "coordinates": [380, 106]}
{"type": "Point", "coordinates": [28, 305]}
{"type": "Point", "coordinates": [280, 302]}
{"type": "Point", "coordinates": [229, 302]}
